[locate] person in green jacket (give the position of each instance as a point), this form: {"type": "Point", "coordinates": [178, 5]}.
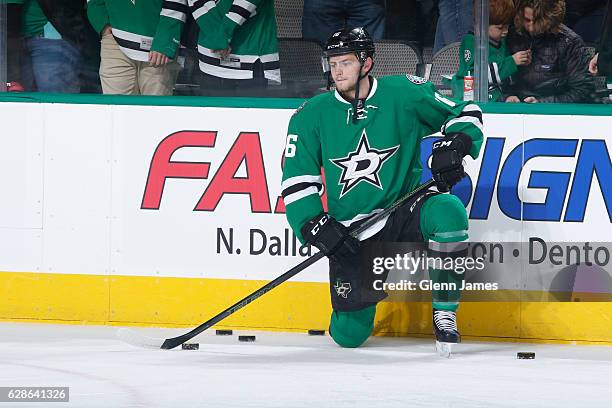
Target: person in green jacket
{"type": "Point", "coordinates": [140, 41]}
{"type": "Point", "coordinates": [501, 64]}
{"type": "Point", "coordinates": [237, 46]}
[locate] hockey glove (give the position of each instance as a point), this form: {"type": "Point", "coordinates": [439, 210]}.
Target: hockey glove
{"type": "Point", "coordinates": [329, 236]}
{"type": "Point", "coordinates": [446, 161]}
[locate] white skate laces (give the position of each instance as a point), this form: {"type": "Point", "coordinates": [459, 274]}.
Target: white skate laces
{"type": "Point", "coordinates": [445, 320]}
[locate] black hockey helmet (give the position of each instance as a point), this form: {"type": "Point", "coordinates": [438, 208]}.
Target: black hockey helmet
{"type": "Point", "coordinates": [350, 41]}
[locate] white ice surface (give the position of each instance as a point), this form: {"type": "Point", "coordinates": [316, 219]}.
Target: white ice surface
{"type": "Point", "coordinates": [297, 370]}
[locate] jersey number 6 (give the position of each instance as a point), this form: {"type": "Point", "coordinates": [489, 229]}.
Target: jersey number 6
{"type": "Point", "coordinates": [290, 145]}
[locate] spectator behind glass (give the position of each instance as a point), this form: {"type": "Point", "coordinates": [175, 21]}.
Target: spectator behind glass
{"type": "Point", "coordinates": [558, 69]}
{"type": "Point", "coordinates": [585, 17]}
{"type": "Point", "coordinates": [601, 64]}
{"type": "Point", "coordinates": [322, 18]}
{"type": "Point", "coordinates": [59, 52]}
{"type": "Point", "coordinates": [455, 21]}
{"type": "Point", "coordinates": [237, 46]}
{"type": "Point", "coordinates": [411, 21]}
{"type": "Point", "coordinates": [501, 64]}
{"type": "Point", "coordinates": [140, 40]}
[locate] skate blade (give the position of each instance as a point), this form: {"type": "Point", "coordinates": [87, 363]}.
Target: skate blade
{"type": "Point", "coordinates": [444, 349]}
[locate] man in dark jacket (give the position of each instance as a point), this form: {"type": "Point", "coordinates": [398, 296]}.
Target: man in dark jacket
{"type": "Point", "coordinates": [558, 69]}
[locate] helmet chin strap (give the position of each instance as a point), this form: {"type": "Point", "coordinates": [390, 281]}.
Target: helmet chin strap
{"type": "Point", "coordinates": [358, 103]}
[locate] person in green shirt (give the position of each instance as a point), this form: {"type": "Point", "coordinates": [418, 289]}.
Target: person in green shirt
{"type": "Point", "coordinates": [501, 64]}
{"type": "Point", "coordinates": [139, 42]}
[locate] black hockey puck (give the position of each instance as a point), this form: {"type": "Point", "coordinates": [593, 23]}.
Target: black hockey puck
{"type": "Point", "coordinates": [525, 355]}
{"type": "Point", "coordinates": [224, 332]}
{"type": "Point", "coordinates": [313, 332]}
{"type": "Point", "coordinates": [190, 346]}
{"type": "Point", "coordinates": [246, 338]}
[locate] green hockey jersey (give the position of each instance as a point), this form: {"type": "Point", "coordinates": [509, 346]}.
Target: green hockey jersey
{"type": "Point", "coordinates": [501, 67]}
{"type": "Point", "coordinates": [140, 26]}
{"type": "Point", "coordinates": [370, 164]}
{"type": "Point", "coordinates": [248, 26]}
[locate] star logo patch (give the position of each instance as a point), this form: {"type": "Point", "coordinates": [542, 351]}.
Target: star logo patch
{"type": "Point", "coordinates": [362, 165]}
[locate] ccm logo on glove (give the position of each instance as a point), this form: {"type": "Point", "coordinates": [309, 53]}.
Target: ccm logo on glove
{"type": "Point", "coordinates": [446, 162]}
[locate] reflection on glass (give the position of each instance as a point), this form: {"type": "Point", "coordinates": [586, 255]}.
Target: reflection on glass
{"type": "Point", "coordinates": [272, 48]}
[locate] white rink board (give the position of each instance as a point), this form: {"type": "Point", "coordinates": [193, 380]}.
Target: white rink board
{"type": "Point", "coordinates": [77, 191]}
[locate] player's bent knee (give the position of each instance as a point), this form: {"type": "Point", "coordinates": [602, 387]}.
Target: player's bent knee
{"type": "Point", "coordinates": [442, 216]}
{"type": "Point", "coordinates": [352, 329]}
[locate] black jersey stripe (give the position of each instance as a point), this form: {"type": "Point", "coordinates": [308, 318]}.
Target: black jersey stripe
{"type": "Point", "coordinates": [207, 59]}
{"type": "Point", "coordinates": [171, 5]}
{"type": "Point", "coordinates": [271, 65]}
{"type": "Point", "coordinates": [241, 11]}
{"type": "Point", "coordinates": [474, 114]}
{"type": "Point", "coordinates": [299, 187]}
{"type": "Point", "coordinates": [129, 44]}
{"type": "Point", "coordinates": [199, 4]}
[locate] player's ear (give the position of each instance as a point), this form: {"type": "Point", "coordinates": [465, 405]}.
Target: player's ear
{"type": "Point", "coordinates": [367, 66]}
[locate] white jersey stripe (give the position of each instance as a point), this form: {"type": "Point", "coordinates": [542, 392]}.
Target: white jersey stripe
{"type": "Point", "coordinates": [471, 108]}
{"type": "Point", "coordinates": [273, 75]}
{"type": "Point", "coordinates": [292, 181]}
{"type": "Point", "coordinates": [209, 5]}
{"type": "Point", "coordinates": [462, 119]}
{"type": "Point", "coordinates": [236, 18]}
{"type": "Point", "coordinates": [250, 7]}
{"type": "Point", "coordinates": [125, 35]}
{"type": "Point", "coordinates": [136, 55]}
{"type": "Point", "coordinates": [298, 195]}
{"type": "Point", "coordinates": [177, 15]}
{"type": "Point", "coordinates": [222, 72]}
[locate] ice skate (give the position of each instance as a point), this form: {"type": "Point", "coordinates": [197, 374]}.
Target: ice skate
{"type": "Point", "coordinates": [445, 329]}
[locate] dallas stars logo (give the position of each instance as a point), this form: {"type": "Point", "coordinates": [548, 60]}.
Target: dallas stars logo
{"type": "Point", "coordinates": [362, 165]}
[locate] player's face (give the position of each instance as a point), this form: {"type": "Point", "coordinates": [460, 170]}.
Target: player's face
{"type": "Point", "coordinates": [497, 32]}
{"type": "Point", "coordinates": [345, 71]}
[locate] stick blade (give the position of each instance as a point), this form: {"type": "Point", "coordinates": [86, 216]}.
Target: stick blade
{"type": "Point", "coordinates": [173, 342]}
{"type": "Point", "coordinates": [138, 340]}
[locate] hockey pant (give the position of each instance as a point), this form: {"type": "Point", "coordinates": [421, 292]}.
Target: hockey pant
{"type": "Point", "coordinates": [441, 221]}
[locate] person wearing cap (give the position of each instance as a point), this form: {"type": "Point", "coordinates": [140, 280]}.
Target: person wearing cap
{"type": "Point", "coordinates": [365, 136]}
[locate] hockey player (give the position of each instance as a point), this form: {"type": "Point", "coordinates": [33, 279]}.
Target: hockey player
{"type": "Point", "coordinates": [365, 137]}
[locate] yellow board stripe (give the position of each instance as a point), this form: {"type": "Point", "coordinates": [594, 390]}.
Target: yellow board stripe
{"type": "Point", "coordinates": [293, 306]}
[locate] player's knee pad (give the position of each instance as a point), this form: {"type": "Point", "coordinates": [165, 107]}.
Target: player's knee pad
{"type": "Point", "coordinates": [444, 219]}
{"type": "Point", "coordinates": [352, 329]}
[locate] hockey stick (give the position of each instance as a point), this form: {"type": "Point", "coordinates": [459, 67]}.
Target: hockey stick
{"type": "Point", "coordinates": [177, 341]}
{"type": "Point", "coordinates": [173, 342]}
